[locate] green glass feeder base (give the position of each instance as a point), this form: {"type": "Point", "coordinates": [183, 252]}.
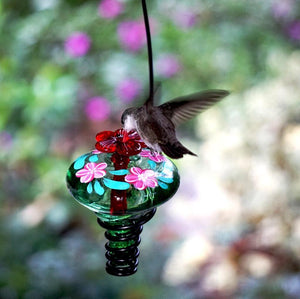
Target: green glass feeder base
{"type": "Point", "coordinates": [123, 184]}
{"type": "Point", "coordinates": [123, 240]}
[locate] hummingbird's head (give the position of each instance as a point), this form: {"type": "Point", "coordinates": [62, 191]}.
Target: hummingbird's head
{"type": "Point", "coordinates": [127, 119]}
{"type": "Point", "coordinates": [126, 113]}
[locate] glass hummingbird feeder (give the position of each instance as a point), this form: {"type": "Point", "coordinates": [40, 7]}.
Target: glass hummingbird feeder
{"type": "Point", "coordinates": [123, 182]}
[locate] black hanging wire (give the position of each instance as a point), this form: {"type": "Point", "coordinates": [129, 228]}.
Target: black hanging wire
{"type": "Point", "coordinates": [149, 46]}
{"type": "Point", "coordinates": [123, 239]}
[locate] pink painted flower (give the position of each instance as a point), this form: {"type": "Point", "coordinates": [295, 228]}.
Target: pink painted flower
{"type": "Point", "coordinates": [97, 108]}
{"type": "Point", "coordinates": [128, 89]}
{"type": "Point", "coordinates": [91, 171]}
{"type": "Point", "coordinates": [141, 178]}
{"type": "Point", "coordinates": [132, 35]}
{"type": "Point", "coordinates": [77, 44]}
{"type": "Point", "coordinates": [109, 9]}
{"type": "Point", "coordinates": [168, 65]}
{"type": "Point", "coordinates": [154, 156]}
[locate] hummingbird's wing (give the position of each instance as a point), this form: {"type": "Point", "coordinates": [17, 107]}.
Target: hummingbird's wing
{"type": "Point", "coordinates": [184, 108]}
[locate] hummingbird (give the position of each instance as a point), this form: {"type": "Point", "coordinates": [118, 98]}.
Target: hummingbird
{"type": "Point", "coordinates": [156, 125]}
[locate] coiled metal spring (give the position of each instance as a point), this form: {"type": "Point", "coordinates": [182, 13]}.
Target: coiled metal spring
{"type": "Point", "coordinates": [122, 246]}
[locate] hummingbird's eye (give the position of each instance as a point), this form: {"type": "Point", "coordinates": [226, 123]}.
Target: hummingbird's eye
{"type": "Point", "coordinates": [122, 119]}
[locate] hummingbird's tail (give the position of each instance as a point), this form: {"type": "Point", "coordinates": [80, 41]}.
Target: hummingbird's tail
{"type": "Point", "coordinates": [175, 150]}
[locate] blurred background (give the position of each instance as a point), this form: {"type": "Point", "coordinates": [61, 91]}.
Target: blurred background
{"type": "Point", "coordinates": [68, 68]}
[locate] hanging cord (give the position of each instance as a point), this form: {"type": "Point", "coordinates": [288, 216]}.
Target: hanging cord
{"type": "Point", "coordinates": [149, 46]}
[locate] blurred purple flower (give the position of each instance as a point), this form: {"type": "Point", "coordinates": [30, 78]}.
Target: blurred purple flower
{"type": "Point", "coordinates": [128, 89]}
{"type": "Point", "coordinates": [77, 44]}
{"type": "Point", "coordinates": [282, 9]}
{"type": "Point", "coordinates": [294, 30]}
{"type": "Point", "coordinates": [97, 108]}
{"type": "Point", "coordinates": [185, 19]}
{"type": "Point", "coordinates": [6, 140]}
{"type": "Point", "coordinates": [132, 35]}
{"type": "Point", "coordinates": [109, 9]}
{"type": "Point", "coordinates": [168, 65]}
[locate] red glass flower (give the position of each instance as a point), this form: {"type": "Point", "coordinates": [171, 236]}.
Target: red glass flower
{"type": "Point", "coordinates": [120, 141]}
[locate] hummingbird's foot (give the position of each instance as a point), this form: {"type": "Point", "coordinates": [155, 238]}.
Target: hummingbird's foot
{"type": "Point", "coordinates": [152, 151]}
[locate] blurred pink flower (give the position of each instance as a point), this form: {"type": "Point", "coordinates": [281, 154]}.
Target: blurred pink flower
{"type": "Point", "coordinates": [77, 44]}
{"type": "Point", "coordinates": [185, 19]}
{"type": "Point", "coordinates": [168, 65]}
{"type": "Point", "coordinates": [128, 89]}
{"type": "Point", "coordinates": [282, 9]}
{"type": "Point", "coordinates": [98, 108]}
{"type": "Point", "coordinates": [294, 30]}
{"type": "Point", "coordinates": [132, 35]}
{"type": "Point", "coordinates": [6, 141]}
{"type": "Point", "coordinates": [91, 171]}
{"type": "Point", "coordinates": [154, 156]}
{"type": "Point", "coordinates": [141, 178]}
{"type": "Point", "coordinates": [109, 9]}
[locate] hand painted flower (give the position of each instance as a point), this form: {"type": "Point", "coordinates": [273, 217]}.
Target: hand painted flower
{"type": "Point", "coordinates": [96, 152]}
{"type": "Point", "coordinates": [77, 44]}
{"type": "Point", "coordinates": [141, 178]}
{"type": "Point", "coordinates": [91, 171]}
{"type": "Point", "coordinates": [154, 156]}
{"type": "Point", "coordinates": [109, 9]}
